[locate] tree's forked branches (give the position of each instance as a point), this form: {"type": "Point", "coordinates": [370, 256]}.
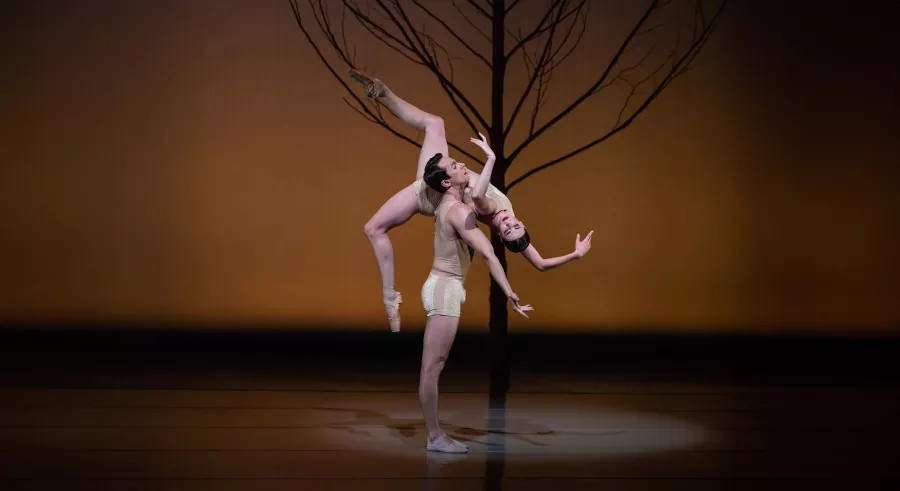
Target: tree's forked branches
{"type": "Point", "coordinates": [654, 5]}
{"type": "Point", "coordinates": [511, 6]}
{"type": "Point", "coordinates": [453, 33]}
{"type": "Point", "coordinates": [544, 48]}
{"type": "Point", "coordinates": [470, 21]}
{"type": "Point", "coordinates": [541, 27]}
{"type": "Point", "coordinates": [673, 66]}
{"type": "Point", "coordinates": [456, 96]}
{"type": "Point", "coordinates": [550, 54]}
{"type": "Point", "coordinates": [388, 23]}
{"type": "Point", "coordinates": [481, 10]}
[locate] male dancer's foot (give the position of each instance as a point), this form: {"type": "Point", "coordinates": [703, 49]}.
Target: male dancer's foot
{"type": "Point", "coordinates": [392, 301]}
{"type": "Point", "coordinates": [374, 88]}
{"type": "Point", "coordinates": [443, 443]}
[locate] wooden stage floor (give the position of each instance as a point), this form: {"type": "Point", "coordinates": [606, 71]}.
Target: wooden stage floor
{"type": "Point", "coordinates": [183, 422]}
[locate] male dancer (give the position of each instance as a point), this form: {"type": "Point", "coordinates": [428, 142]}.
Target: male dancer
{"type": "Point", "coordinates": [443, 293]}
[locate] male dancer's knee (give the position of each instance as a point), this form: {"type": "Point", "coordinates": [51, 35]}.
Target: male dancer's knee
{"type": "Point", "coordinates": [432, 370]}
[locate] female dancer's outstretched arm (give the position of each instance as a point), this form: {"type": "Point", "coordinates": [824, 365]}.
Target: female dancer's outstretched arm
{"type": "Point", "coordinates": [541, 264]}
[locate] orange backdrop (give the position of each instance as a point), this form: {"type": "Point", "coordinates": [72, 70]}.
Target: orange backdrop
{"type": "Point", "coordinates": [193, 162]}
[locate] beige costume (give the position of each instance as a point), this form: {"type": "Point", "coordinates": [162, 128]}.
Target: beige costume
{"type": "Point", "coordinates": [443, 292]}
{"type": "Point", "coordinates": [499, 199]}
{"type": "Point", "coordinates": [429, 198]}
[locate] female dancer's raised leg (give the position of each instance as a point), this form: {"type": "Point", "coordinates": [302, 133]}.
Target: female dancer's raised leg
{"type": "Point", "coordinates": [435, 138]}
{"type": "Point", "coordinates": [395, 212]}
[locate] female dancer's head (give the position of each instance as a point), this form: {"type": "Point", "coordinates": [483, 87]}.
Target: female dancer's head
{"type": "Point", "coordinates": [511, 231]}
{"type": "Point", "coordinates": [441, 173]}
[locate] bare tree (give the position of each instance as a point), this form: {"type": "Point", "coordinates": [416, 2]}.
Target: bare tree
{"type": "Point", "coordinates": [650, 54]}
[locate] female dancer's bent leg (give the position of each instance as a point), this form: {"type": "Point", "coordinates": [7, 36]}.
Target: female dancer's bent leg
{"type": "Point", "coordinates": [395, 212]}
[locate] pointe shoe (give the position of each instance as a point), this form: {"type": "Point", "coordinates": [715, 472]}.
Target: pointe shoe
{"type": "Point", "coordinates": [446, 444]}
{"type": "Point", "coordinates": [374, 88]}
{"type": "Point", "coordinates": [392, 303]}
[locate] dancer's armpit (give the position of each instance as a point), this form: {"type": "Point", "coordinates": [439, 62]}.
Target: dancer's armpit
{"type": "Point", "coordinates": [484, 205]}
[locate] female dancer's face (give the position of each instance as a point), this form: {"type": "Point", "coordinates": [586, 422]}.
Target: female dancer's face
{"type": "Point", "coordinates": [507, 226]}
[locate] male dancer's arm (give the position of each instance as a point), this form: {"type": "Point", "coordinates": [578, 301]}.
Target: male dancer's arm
{"type": "Point", "coordinates": [463, 221]}
{"type": "Point", "coordinates": [534, 257]}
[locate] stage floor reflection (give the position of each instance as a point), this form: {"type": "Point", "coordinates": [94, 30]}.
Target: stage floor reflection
{"type": "Point", "coordinates": [146, 418]}
{"type": "Point", "coordinates": [590, 436]}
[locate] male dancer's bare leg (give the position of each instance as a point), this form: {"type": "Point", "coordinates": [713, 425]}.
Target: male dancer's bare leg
{"type": "Point", "coordinates": [395, 212]}
{"type": "Point", "coordinates": [440, 330]}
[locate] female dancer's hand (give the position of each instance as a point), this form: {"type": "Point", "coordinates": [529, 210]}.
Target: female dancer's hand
{"type": "Point", "coordinates": [483, 144]}
{"type": "Point", "coordinates": [521, 309]}
{"type": "Point", "coordinates": [582, 246]}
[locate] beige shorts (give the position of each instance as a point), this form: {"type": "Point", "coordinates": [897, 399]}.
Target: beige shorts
{"type": "Point", "coordinates": [428, 198]}
{"type": "Point", "coordinates": [443, 295]}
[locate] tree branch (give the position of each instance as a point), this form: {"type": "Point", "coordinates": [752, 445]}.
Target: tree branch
{"type": "Point", "coordinates": [537, 31]}
{"type": "Point", "coordinates": [592, 90]}
{"type": "Point", "coordinates": [380, 33]}
{"type": "Point", "coordinates": [373, 116]}
{"type": "Point", "coordinates": [531, 80]}
{"type": "Point", "coordinates": [550, 64]}
{"type": "Point", "coordinates": [544, 65]}
{"type": "Point", "coordinates": [456, 96]}
{"type": "Point", "coordinates": [394, 28]}
{"type": "Point", "coordinates": [554, 64]}
{"type": "Point", "coordinates": [680, 67]}
{"type": "Point", "coordinates": [480, 9]}
{"type": "Point", "coordinates": [469, 21]}
{"type": "Point", "coordinates": [452, 33]}
{"type": "Point", "coordinates": [365, 111]}
{"type": "Point", "coordinates": [511, 6]}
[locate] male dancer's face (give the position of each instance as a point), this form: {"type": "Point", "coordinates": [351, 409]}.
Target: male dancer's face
{"type": "Point", "coordinates": [455, 170]}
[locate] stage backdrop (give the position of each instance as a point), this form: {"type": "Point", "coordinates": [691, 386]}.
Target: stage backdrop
{"type": "Point", "coordinates": [189, 162]}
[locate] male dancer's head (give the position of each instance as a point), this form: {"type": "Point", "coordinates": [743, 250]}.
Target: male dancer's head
{"type": "Point", "coordinates": [444, 173]}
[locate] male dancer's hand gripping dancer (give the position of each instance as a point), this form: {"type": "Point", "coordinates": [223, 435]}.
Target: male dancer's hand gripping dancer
{"type": "Point", "coordinates": [419, 198]}
{"type": "Point", "coordinates": [443, 293]}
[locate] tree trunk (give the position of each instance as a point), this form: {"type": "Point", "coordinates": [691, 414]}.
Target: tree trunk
{"type": "Point", "coordinates": [497, 299]}
{"type": "Point", "coordinates": [497, 322]}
